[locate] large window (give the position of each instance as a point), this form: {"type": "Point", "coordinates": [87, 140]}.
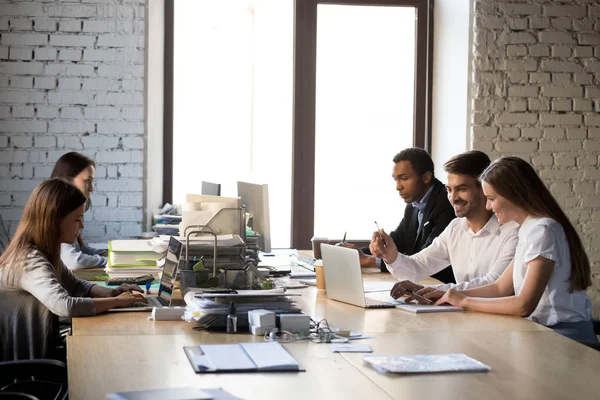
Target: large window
{"type": "Point", "coordinates": [313, 97]}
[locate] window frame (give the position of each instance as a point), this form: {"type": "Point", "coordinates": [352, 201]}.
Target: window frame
{"type": "Point", "coordinates": [304, 91]}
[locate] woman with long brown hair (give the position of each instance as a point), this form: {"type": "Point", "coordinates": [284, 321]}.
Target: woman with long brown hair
{"type": "Point", "coordinates": [53, 215]}
{"type": "Point", "coordinates": [547, 279]}
{"type": "Point", "coordinates": [80, 170]}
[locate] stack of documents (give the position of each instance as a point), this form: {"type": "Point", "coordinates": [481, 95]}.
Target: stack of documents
{"type": "Point", "coordinates": [426, 363]}
{"type": "Point", "coordinates": [131, 258]}
{"type": "Point", "coordinates": [210, 310]}
{"type": "Point", "coordinates": [242, 357]}
{"type": "Point", "coordinates": [166, 224]}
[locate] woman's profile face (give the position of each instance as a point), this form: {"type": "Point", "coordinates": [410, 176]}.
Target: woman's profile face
{"type": "Point", "coordinates": [71, 225]}
{"type": "Point", "coordinates": [505, 210]}
{"type": "Point", "coordinates": [85, 181]}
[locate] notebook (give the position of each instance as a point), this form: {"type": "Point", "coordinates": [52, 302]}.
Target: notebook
{"type": "Point", "coordinates": [422, 308]}
{"type": "Point", "coordinates": [426, 363]}
{"type": "Point", "coordinates": [174, 394]}
{"type": "Point", "coordinates": [242, 357]}
{"type": "Point", "coordinates": [162, 394]}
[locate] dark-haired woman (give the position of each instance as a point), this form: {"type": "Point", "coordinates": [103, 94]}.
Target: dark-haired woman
{"type": "Point", "coordinates": [80, 170]}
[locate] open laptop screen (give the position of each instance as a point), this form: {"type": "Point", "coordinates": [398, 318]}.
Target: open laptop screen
{"type": "Point", "coordinates": [167, 282]}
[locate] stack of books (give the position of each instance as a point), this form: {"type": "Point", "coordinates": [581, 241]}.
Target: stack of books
{"type": "Point", "coordinates": [131, 258]}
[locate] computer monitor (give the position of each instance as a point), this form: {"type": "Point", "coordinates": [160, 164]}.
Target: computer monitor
{"type": "Point", "coordinates": [255, 198]}
{"type": "Point", "coordinates": [212, 189]}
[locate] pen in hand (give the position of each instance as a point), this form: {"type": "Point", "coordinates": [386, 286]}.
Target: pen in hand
{"type": "Point", "coordinates": [344, 239]}
{"type": "Point", "coordinates": [379, 232]}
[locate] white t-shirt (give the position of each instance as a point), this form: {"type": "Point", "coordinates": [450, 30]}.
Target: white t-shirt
{"type": "Point", "coordinates": [546, 238]}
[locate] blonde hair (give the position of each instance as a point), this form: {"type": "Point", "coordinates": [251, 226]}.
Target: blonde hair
{"type": "Point", "coordinates": [514, 179]}
{"type": "Point", "coordinates": [50, 202]}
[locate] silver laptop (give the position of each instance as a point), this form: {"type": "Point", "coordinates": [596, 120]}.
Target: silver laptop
{"type": "Point", "coordinates": [343, 279]}
{"type": "Point", "coordinates": [167, 282]}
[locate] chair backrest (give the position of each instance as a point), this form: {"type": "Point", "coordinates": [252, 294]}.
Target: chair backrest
{"type": "Point", "coordinates": [4, 236]}
{"type": "Point", "coordinates": [28, 330]}
{"type": "Point", "coordinates": [40, 379]}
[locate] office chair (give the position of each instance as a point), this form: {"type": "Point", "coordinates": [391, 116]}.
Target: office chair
{"type": "Point", "coordinates": [28, 330]}
{"type": "Point", "coordinates": [33, 379]}
{"type": "Point", "coordinates": [16, 396]}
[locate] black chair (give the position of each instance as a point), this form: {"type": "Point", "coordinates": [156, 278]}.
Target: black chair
{"type": "Point", "coordinates": [34, 379]}
{"type": "Point", "coordinates": [16, 396]}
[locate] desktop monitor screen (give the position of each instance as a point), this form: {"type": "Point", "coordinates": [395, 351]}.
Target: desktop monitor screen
{"type": "Point", "coordinates": [255, 198]}
{"type": "Point", "coordinates": [212, 189]}
{"type": "Point", "coordinates": [167, 282]}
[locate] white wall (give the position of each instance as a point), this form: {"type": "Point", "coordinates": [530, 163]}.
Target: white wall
{"type": "Point", "coordinates": [451, 72]}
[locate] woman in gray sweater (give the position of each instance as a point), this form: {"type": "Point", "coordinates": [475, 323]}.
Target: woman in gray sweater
{"type": "Point", "coordinates": [53, 215]}
{"type": "Point", "coordinates": [79, 170]}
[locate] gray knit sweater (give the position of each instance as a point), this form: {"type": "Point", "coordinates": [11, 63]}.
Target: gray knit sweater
{"type": "Point", "coordinates": [59, 290]}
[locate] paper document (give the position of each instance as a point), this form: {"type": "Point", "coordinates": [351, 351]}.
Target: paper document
{"type": "Point", "coordinates": [224, 356]}
{"type": "Point", "coordinates": [268, 356]}
{"type": "Point", "coordinates": [350, 348]}
{"type": "Point", "coordinates": [247, 357]}
{"type": "Point", "coordinates": [426, 363]}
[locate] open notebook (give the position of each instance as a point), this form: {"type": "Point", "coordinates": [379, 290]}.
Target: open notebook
{"type": "Point", "coordinates": [242, 357]}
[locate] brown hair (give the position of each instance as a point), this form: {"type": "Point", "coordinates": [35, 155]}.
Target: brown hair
{"type": "Point", "coordinates": [471, 163]}
{"type": "Point", "coordinates": [517, 181]}
{"type": "Point", "coordinates": [68, 166]}
{"type": "Point", "coordinates": [50, 202]}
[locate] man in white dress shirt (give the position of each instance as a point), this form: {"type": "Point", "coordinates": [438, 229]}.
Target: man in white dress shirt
{"type": "Point", "coordinates": [475, 244]}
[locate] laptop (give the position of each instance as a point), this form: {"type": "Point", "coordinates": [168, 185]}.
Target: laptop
{"type": "Point", "coordinates": [167, 282]}
{"type": "Point", "coordinates": [344, 282]}
{"type": "Point", "coordinates": [343, 278]}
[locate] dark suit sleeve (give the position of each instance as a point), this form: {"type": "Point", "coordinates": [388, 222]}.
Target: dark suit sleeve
{"type": "Point", "coordinates": [446, 215]}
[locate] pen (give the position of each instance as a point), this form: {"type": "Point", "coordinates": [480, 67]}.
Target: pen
{"type": "Point", "coordinates": [418, 296]}
{"type": "Point", "coordinates": [379, 231]}
{"type": "Point", "coordinates": [344, 239]}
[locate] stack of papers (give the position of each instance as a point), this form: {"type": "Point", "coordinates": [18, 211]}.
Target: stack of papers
{"type": "Point", "coordinates": [426, 363]}
{"type": "Point", "coordinates": [243, 357]}
{"type": "Point", "coordinates": [131, 258]}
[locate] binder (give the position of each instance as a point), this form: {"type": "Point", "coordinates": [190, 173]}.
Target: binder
{"type": "Point", "coordinates": [242, 357]}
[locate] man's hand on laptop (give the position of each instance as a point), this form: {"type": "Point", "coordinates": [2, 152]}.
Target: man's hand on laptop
{"type": "Point", "coordinates": [431, 293]}
{"type": "Point", "coordinates": [383, 246]}
{"type": "Point", "coordinates": [404, 288]}
{"type": "Point", "coordinates": [128, 298]}
{"type": "Point", "coordinates": [126, 288]}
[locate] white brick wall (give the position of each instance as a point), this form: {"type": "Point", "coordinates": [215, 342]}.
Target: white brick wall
{"type": "Point", "coordinates": [537, 96]}
{"type": "Point", "coordinates": [72, 79]}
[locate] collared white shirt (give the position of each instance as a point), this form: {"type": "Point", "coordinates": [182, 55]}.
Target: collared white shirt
{"type": "Point", "coordinates": [546, 238]}
{"type": "Point", "coordinates": [477, 259]}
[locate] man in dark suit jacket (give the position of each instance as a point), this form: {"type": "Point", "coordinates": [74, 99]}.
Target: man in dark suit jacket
{"type": "Point", "coordinates": [427, 212]}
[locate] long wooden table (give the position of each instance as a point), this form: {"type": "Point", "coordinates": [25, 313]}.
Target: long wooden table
{"type": "Point", "coordinates": [126, 351]}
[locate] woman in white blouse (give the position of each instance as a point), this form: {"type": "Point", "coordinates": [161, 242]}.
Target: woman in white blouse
{"type": "Point", "coordinates": [547, 278]}
{"type": "Point", "coordinates": [79, 170]}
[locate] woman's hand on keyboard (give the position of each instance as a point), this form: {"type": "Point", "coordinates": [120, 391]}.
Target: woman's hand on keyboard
{"type": "Point", "coordinates": [126, 287]}
{"type": "Point", "coordinates": [126, 299]}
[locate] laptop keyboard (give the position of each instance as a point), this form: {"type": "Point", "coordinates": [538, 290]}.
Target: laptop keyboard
{"type": "Point", "coordinates": [372, 303]}
{"type": "Point", "coordinates": [306, 262]}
